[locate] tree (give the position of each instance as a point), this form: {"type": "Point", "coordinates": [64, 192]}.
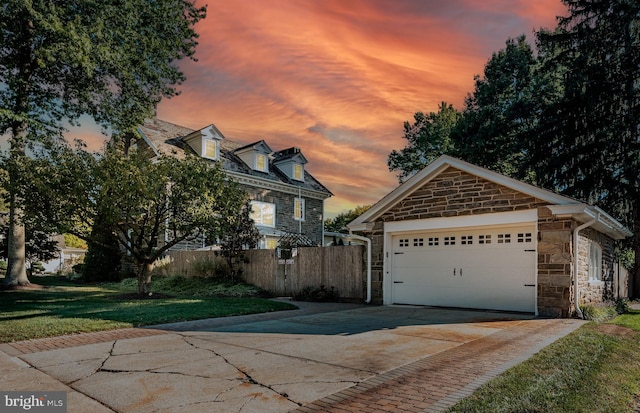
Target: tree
{"type": "Point", "coordinates": [590, 136]}
{"type": "Point", "coordinates": [338, 223]}
{"type": "Point", "coordinates": [60, 59]}
{"type": "Point", "coordinates": [237, 233]}
{"type": "Point", "coordinates": [495, 130]}
{"type": "Point", "coordinates": [150, 204]}
{"type": "Point", "coordinates": [428, 137]}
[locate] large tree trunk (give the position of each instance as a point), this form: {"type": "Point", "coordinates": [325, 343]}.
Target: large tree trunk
{"type": "Point", "coordinates": [635, 277]}
{"type": "Point", "coordinates": [16, 257]}
{"type": "Point", "coordinates": [144, 278]}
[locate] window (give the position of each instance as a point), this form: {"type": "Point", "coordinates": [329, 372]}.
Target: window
{"type": "Point", "coordinates": [526, 237]}
{"type": "Point", "coordinates": [449, 240]}
{"type": "Point", "coordinates": [466, 240]}
{"type": "Point", "coordinates": [484, 239]}
{"type": "Point", "coordinates": [263, 213]}
{"type": "Point", "coordinates": [504, 238]}
{"type": "Point", "coordinates": [434, 241]}
{"type": "Point", "coordinates": [595, 262]}
{"type": "Point", "coordinates": [261, 162]}
{"type": "Point", "coordinates": [404, 242]}
{"type": "Point", "coordinates": [297, 172]}
{"type": "Point", "coordinates": [298, 209]}
{"type": "Point", "coordinates": [210, 149]}
{"type": "Point", "coordinates": [418, 242]}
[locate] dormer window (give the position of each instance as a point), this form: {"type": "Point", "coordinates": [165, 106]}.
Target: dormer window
{"type": "Point", "coordinates": [205, 142]}
{"type": "Point", "coordinates": [290, 162]}
{"type": "Point", "coordinates": [261, 162]}
{"type": "Point", "coordinates": [210, 149]}
{"type": "Point", "coordinates": [298, 172]}
{"type": "Point", "coordinates": [255, 155]}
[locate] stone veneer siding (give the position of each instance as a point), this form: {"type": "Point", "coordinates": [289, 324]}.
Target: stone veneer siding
{"type": "Point", "coordinates": [456, 193]}
{"type": "Point", "coordinates": [313, 211]}
{"type": "Point", "coordinates": [591, 292]}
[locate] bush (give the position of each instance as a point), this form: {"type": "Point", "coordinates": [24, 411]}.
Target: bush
{"type": "Point", "coordinates": [208, 268]}
{"type": "Point", "coordinates": [622, 306]}
{"type": "Point", "coordinates": [317, 294]}
{"type": "Point", "coordinates": [599, 313]}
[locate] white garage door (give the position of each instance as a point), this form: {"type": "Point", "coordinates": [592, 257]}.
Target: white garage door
{"type": "Point", "coordinates": [486, 268]}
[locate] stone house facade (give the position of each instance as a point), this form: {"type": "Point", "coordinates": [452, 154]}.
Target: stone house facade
{"type": "Point", "coordinates": [487, 218]}
{"type": "Point", "coordinates": [285, 197]}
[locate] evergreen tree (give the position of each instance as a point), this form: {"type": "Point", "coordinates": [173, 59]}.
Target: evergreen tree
{"type": "Point", "coordinates": [590, 136]}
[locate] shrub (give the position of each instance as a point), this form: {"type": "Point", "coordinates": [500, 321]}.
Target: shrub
{"type": "Point", "coordinates": [599, 312]}
{"type": "Point", "coordinates": [317, 294]}
{"type": "Point", "coordinates": [622, 306]}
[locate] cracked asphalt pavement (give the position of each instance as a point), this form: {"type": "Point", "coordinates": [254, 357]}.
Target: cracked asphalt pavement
{"type": "Point", "coordinates": [276, 364]}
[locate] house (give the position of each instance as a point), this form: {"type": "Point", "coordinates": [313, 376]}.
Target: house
{"type": "Point", "coordinates": [285, 197]}
{"type": "Point", "coordinates": [457, 235]}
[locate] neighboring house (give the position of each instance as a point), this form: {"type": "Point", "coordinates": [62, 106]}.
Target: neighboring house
{"type": "Point", "coordinates": [66, 259]}
{"type": "Point", "coordinates": [285, 197]}
{"type": "Point", "coordinates": [457, 235]}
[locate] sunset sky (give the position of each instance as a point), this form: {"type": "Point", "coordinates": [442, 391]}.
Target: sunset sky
{"type": "Point", "coordinates": [338, 78]}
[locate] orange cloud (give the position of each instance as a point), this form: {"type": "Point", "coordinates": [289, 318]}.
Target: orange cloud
{"type": "Point", "coordinates": [338, 79]}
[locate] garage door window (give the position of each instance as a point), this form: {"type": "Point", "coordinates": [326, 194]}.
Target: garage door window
{"type": "Point", "coordinates": [404, 242]}
{"type": "Point", "coordinates": [418, 242]}
{"type": "Point", "coordinates": [449, 240]}
{"type": "Point", "coordinates": [504, 238]}
{"type": "Point", "coordinates": [466, 240]}
{"type": "Point", "coordinates": [484, 239]}
{"type": "Point", "coordinates": [524, 237]}
{"type": "Point", "coordinates": [434, 241]}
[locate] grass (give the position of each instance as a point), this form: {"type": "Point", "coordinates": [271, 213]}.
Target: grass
{"type": "Point", "coordinates": [63, 307]}
{"type": "Point", "coordinates": [594, 369]}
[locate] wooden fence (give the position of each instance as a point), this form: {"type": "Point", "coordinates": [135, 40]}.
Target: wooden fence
{"type": "Point", "coordinates": [341, 267]}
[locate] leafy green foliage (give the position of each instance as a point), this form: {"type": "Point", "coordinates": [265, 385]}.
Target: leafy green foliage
{"type": "Point", "coordinates": [150, 205]}
{"type": "Point", "coordinates": [427, 138]}
{"type": "Point", "coordinates": [237, 232]}
{"type": "Point", "coordinates": [495, 130]}
{"type": "Point", "coordinates": [317, 294]}
{"type": "Point", "coordinates": [111, 59]}
{"type": "Point", "coordinates": [339, 223]}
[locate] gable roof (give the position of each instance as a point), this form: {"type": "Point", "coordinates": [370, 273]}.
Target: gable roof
{"type": "Point", "coordinates": [559, 204]}
{"type": "Point", "coordinates": [169, 139]}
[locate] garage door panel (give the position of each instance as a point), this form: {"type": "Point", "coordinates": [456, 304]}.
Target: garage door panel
{"type": "Point", "coordinates": [491, 268]}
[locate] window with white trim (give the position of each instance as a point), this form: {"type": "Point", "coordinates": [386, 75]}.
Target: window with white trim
{"type": "Point", "coordinates": [595, 262]}
{"type": "Point", "coordinates": [211, 149]}
{"type": "Point", "coordinates": [298, 209]}
{"type": "Point", "coordinates": [263, 213]}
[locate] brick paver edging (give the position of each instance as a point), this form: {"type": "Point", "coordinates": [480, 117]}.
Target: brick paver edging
{"type": "Point", "coordinates": [433, 384]}
{"type": "Point", "coordinates": [51, 343]}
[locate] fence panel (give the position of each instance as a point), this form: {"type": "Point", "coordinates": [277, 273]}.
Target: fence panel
{"type": "Point", "coordinates": [340, 267]}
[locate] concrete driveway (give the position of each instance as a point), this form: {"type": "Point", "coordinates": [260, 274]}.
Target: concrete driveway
{"type": "Point", "coordinates": [277, 362]}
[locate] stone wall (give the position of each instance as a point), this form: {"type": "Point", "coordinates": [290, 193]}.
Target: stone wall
{"type": "Point", "coordinates": [456, 193]}
{"type": "Point", "coordinates": [555, 283]}
{"type": "Point", "coordinates": [311, 225]}
{"type": "Point", "coordinates": [591, 292]}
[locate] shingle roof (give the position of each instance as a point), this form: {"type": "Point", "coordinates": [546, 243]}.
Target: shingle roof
{"type": "Point", "coordinates": [166, 138]}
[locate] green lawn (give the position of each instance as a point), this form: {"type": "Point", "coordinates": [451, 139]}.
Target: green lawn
{"type": "Point", "coordinates": [594, 369]}
{"type": "Point", "coordinates": [64, 308]}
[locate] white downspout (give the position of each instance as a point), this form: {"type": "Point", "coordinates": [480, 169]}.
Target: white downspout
{"type": "Point", "coordinates": [368, 241]}
{"type": "Point", "coordinates": [576, 237]}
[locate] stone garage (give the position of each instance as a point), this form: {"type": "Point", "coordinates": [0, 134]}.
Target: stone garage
{"type": "Point", "coordinates": [457, 235]}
